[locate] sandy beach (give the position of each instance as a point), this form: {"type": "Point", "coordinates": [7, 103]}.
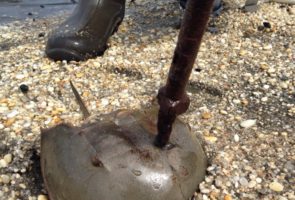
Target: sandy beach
{"type": "Point", "coordinates": [242, 92]}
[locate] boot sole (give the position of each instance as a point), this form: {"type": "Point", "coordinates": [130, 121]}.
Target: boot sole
{"type": "Point", "coordinates": [59, 54]}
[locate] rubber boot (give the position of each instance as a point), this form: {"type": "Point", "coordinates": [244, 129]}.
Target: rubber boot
{"type": "Point", "coordinates": [85, 33]}
{"type": "Point", "coordinates": [217, 6]}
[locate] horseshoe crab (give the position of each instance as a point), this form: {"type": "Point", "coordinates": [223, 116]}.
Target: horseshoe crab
{"type": "Point", "coordinates": [130, 155]}
{"type": "Point", "coordinates": [114, 158]}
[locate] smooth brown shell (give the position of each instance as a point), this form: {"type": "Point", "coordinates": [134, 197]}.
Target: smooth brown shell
{"type": "Point", "coordinates": [114, 159]}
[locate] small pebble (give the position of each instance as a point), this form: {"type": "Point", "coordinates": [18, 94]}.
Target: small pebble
{"type": "Point", "coordinates": [12, 114]}
{"type": "Point", "coordinates": [23, 186]}
{"type": "Point", "coordinates": [285, 134]}
{"type": "Point", "coordinates": [264, 99]}
{"type": "Point", "coordinates": [104, 102]}
{"type": "Point", "coordinates": [205, 191]}
{"type": "Point", "coordinates": [20, 76]}
{"type": "Point", "coordinates": [248, 123]}
{"type": "Point", "coordinates": [5, 178]}
{"type": "Point", "coordinates": [236, 138]}
{"type": "Point", "coordinates": [245, 102]}
{"type": "Point", "coordinates": [258, 180]}
{"type": "Point", "coordinates": [228, 197]}
{"type": "Point", "coordinates": [42, 197]}
{"type": "Point", "coordinates": [8, 158]}
{"type": "Point", "coordinates": [252, 184]}
{"type": "Point", "coordinates": [206, 115]}
{"type": "Point", "coordinates": [218, 182]}
{"type": "Point", "coordinates": [24, 88]}
{"type": "Point", "coordinates": [284, 85]}
{"type": "Point", "coordinates": [290, 166]}
{"type": "Point", "coordinates": [267, 47]}
{"type": "Point", "coordinates": [243, 181]}
{"type": "Point", "coordinates": [41, 34]}
{"type": "Point", "coordinates": [276, 186]}
{"type": "Point", "coordinates": [271, 70]}
{"type": "Point", "coordinates": [223, 112]}
{"type": "Point", "coordinates": [236, 101]}
{"type": "Point", "coordinates": [210, 139]}
{"type": "Point", "coordinates": [3, 163]}
{"type": "Point", "coordinates": [266, 25]}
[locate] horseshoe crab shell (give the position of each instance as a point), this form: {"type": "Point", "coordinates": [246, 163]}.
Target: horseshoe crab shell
{"type": "Point", "coordinates": [115, 159]}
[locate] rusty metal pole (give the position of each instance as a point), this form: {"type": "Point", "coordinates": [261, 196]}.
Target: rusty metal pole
{"type": "Point", "coordinates": [172, 98]}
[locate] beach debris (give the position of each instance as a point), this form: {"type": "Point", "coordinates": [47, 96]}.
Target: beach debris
{"type": "Point", "coordinates": [24, 88]}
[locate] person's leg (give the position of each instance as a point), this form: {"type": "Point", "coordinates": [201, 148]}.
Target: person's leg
{"type": "Point", "coordinates": [217, 6]}
{"type": "Point", "coordinates": [85, 33]}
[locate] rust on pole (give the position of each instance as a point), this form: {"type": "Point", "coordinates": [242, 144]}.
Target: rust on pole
{"type": "Point", "coordinates": [172, 98]}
